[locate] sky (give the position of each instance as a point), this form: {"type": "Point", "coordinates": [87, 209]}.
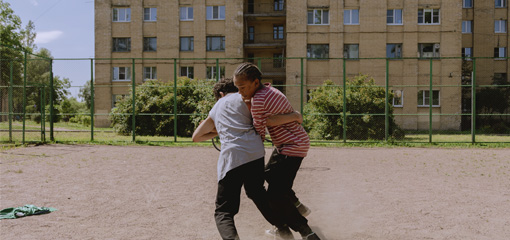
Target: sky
{"type": "Point", "coordinates": [66, 29]}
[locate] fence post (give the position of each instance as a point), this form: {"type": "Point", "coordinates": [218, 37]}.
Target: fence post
{"type": "Point", "coordinates": [52, 138]}
{"type": "Point", "coordinates": [91, 99]}
{"type": "Point", "coordinates": [473, 104]}
{"type": "Point", "coordinates": [11, 83]}
{"type": "Point", "coordinates": [345, 103]}
{"type": "Point", "coordinates": [175, 99]}
{"type": "Point", "coordinates": [43, 111]}
{"type": "Point", "coordinates": [387, 102]}
{"type": "Point", "coordinates": [430, 102]}
{"type": "Point", "coordinates": [218, 71]}
{"type": "Point", "coordinates": [24, 93]}
{"type": "Point", "coordinates": [302, 78]}
{"type": "Point", "coordinates": [133, 96]}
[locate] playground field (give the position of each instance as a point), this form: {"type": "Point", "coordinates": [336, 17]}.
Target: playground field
{"type": "Point", "coordinates": [154, 192]}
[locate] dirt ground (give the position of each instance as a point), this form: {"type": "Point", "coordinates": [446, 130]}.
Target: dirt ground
{"type": "Point", "coordinates": [143, 192]}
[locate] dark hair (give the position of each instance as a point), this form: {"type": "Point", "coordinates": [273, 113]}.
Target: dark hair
{"type": "Point", "coordinates": [249, 70]}
{"type": "Point", "coordinates": [225, 85]}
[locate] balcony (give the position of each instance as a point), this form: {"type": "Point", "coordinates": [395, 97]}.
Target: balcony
{"type": "Point", "coordinates": [273, 67]}
{"type": "Point", "coordinates": [264, 40]}
{"type": "Point", "coordinates": [265, 10]}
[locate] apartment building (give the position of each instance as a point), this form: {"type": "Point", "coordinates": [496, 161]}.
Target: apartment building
{"type": "Point", "coordinates": [295, 42]}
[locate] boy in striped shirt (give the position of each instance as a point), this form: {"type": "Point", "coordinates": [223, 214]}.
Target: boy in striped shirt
{"type": "Point", "coordinates": [291, 146]}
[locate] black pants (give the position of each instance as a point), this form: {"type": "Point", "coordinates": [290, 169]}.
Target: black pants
{"type": "Point", "coordinates": [228, 197]}
{"type": "Point", "coordinates": [280, 173]}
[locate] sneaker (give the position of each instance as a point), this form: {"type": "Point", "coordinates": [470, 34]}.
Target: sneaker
{"type": "Point", "coordinates": [303, 210]}
{"type": "Point", "coordinates": [280, 233]}
{"type": "Point", "coordinates": [311, 236]}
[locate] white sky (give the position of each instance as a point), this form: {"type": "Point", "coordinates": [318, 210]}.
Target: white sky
{"type": "Point", "coordinates": [66, 28]}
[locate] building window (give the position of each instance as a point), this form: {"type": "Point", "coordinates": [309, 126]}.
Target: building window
{"type": "Point", "coordinates": [429, 50]}
{"type": "Point", "coordinates": [150, 14]}
{"type": "Point", "coordinates": [121, 73]}
{"type": "Point", "coordinates": [116, 98]}
{"type": "Point", "coordinates": [467, 26]}
{"type": "Point", "coordinates": [187, 44]}
{"type": "Point", "coordinates": [149, 44]}
{"type": "Point", "coordinates": [277, 31]}
{"type": "Point", "coordinates": [394, 17]}
{"type": "Point", "coordinates": [251, 33]}
{"type": "Point", "coordinates": [351, 17]}
{"type": "Point", "coordinates": [500, 53]}
{"type": "Point", "coordinates": [351, 51]}
{"type": "Point", "coordinates": [500, 26]}
{"type": "Point", "coordinates": [150, 73]}
{"type": "Point", "coordinates": [428, 16]}
{"type": "Point", "coordinates": [318, 17]}
{"type": "Point", "coordinates": [212, 72]}
{"type": "Point", "coordinates": [278, 60]}
{"type": "Point", "coordinates": [215, 12]}
{"type": "Point", "coordinates": [467, 3]}
{"type": "Point", "coordinates": [121, 45]}
{"type": "Point", "coordinates": [398, 98]}
{"type": "Point", "coordinates": [500, 79]}
{"type": "Point", "coordinates": [186, 13]}
{"type": "Point", "coordinates": [187, 72]}
{"type": "Point", "coordinates": [215, 43]}
{"type": "Point", "coordinates": [394, 50]}
{"type": "Point", "coordinates": [500, 3]}
{"type": "Point", "coordinates": [122, 14]}
{"type": "Point", "coordinates": [278, 5]}
{"type": "Point", "coordinates": [317, 51]}
{"type": "Point", "coordinates": [467, 53]}
{"type": "Point", "coordinates": [424, 98]}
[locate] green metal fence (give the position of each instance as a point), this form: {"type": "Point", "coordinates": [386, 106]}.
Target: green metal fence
{"type": "Point", "coordinates": [431, 100]}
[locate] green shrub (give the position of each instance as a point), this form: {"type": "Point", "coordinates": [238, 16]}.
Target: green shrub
{"type": "Point", "coordinates": [324, 111]}
{"type": "Point", "coordinates": [154, 107]}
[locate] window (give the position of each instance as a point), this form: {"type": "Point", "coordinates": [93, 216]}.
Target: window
{"type": "Point", "coordinates": [351, 51]}
{"type": "Point", "coordinates": [277, 32]}
{"type": "Point", "coordinates": [398, 98]}
{"type": "Point", "coordinates": [149, 44]}
{"type": "Point", "coordinates": [429, 50]}
{"type": "Point", "coordinates": [467, 26]}
{"type": "Point", "coordinates": [186, 13]}
{"type": "Point", "coordinates": [467, 53]}
{"type": "Point", "coordinates": [500, 26]}
{"type": "Point", "coordinates": [187, 44]}
{"type": "Point", "coordinates": [500, 3]}
{"type": "Point", "coordinates": [149, 14]}
{"type": "Point", "coordinates": [116, 98]}
{"type": "Point", "coordinates": [278, 5]}
{"type": "Point", "coordinates": [215, 43]}
{"type": "Point", "coordinates": [121, 44]}
{"type": "Point", "coordinates": [318, 17]}
{"type": "Point", "coordinates": [187, 72]}
{"type": "Point", "coordinates": [500, 53]}
{"type": "Point", "coordinates": [467, 3]}
{"type": "Point", "coordinates": [278, 60]}
{"type": "Point", "coordinates": [424, 98]}
{"type": "Point", "coordinates": [394, 50]}
{"type": "Point", "coordinates": [215, 12]}
{"type": "Point", "coordinates": [122, 14]}
{"type": "Point", "coordinates": [394, 16]}
{"type": "Point", "coordinates": [121, 73]}
{"type": "Point", "coordinates": [317, 51]}
{"type": "Point", "coordinates": [251, 33]}
{"type": "Point", "coordinates": [428, 16]}
{"type": "Point", "coordinates": [351, 17]}
{"type": "Point", "coordinates": [212, 72]}
{"type": "Point", "coordinates": [251, 58]}
{"type": "Point", "coordinates": [149, 73]}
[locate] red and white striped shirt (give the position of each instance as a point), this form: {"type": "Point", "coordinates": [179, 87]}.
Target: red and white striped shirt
{"type": "Point", "coordinates": [291, 139]}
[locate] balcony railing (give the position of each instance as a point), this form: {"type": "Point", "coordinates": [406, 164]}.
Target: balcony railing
{"type": "Point", "coordinates": [265, 9]}
{"type": "Point", "coordinates": [262, 39]}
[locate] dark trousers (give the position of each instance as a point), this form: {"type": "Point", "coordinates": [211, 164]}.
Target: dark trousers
{"type": "Point", "coordinates": [251, 175]}
{"type": "Point", "coordinates": [280, 173]}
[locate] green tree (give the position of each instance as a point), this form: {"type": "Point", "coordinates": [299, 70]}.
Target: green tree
{"type": "Point", "coordinates": [85, 94]}
{"type": "Point", "coordinates": [365, 105]}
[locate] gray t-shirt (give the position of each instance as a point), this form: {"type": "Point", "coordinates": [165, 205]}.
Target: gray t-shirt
{"type": "Point", "coordinates": [240, 143]}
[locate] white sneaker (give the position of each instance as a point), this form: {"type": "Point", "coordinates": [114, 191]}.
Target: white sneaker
{"type": "Point", "coordinates": [280, 234]}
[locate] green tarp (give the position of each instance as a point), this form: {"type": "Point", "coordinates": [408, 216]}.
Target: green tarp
{"type": "Point", "coordinates": [26, 210]}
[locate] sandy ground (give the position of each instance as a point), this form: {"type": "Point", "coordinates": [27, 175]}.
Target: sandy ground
{"type": "Point", "coordinates": [141, 192]}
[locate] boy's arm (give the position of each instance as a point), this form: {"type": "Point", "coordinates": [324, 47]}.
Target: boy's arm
{"type": "Point", "coordinates": [204, 131]}
{"type": "Point", "coordinates": [279, 119]}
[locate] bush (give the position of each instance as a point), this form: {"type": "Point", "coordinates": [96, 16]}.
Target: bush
{"type": "Point", "coordinates": [154, 106]}
{"type": "Point", "coordinates": [324, 111]}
